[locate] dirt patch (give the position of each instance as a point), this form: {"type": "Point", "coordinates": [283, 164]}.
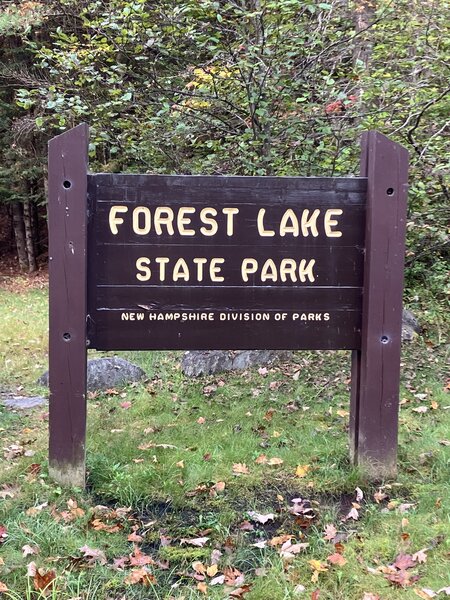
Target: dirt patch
{"type": "Point", "coordinates": [14, 280]}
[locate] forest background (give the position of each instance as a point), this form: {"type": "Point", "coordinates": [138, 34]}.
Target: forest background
{"type": "Point", "coordinates": [247, 87]}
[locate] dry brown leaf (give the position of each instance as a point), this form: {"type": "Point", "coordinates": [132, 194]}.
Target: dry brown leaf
{"type": "Point", "coordinates": [134, 537]}
{"type": "Point", "coordinates": [43, 581]}
{"type": "Point", "coordinates": [199, 567]}
{"type": "Point", "coordinates": [261, 460]}
{"type": "Point", "coordinates": [274, 462]}
{"type": "Point", "coordinates": [240, 469]}
{"type": "Point", "coordinates": [139, 559]}
{"type": "Point", "coordinates": [379, 496]}
{"type": "Point", "coordinates": [200, 541]}
{"type": "Point", "coordinates": [402, 578]}
{"type": "Point", "coordinates": [420, 556]}
{"type": "Point", "coordinates": [330, 532]}
{"type": "Point", "coordinates": [240, 591]}
{"type": "Point", "coordinates": [202, 587]}
{"type": "Point", "coordinates": [27, 550]}
{"type": "Point", "coordinates": [337, 559]}
{"type": "Point", "coordinates": [93, 555]}
{"type": "Point", "coordinates": [258, 517]}
{"type": "Point", "coordinates": [140, 576]}
{"type": "Point", "coordinates": [280, 539]}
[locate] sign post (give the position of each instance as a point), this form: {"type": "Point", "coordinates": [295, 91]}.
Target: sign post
{"type": "Point", "coordinates": [154, 262]}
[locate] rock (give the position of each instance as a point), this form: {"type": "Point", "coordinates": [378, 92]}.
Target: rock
{"type": "Point", "coordinates": [196, 363]}
{"type": "Point", "coordinates": [106, 373]}
{"type": "Point", "coordinates": [410, 326]}
{"type": "Point", "coordinates": [24, 402]}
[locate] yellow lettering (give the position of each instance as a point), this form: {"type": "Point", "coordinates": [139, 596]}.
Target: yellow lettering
{"type": "Point", "coordinates": [215, 269]}
{"type": "Point", "coordinates": [204, 218]}
{"type": "Point", "coordinates": [142, 210]}
{"type": "Point", "coordinates": [230, 212]}
{"type": "Point", "coordinates": [113, 220]}
{"type": "Point", "coordinates": [289, 215]}
{"type": "Point", "coordinates": [329, 222]}
{"type": "Point", "coordinates": [162, 262]}
{"type": "Point", "coordinates": [306, 270]}
{"type": "Point", "coordinates": [310, 223]}
{"type": "Point", "coordinates": [199, 262]}
{"type": "Point", "coordinates": [181, 270]}
{"type": "Point", "coordinates": [269, 271]}
{"type": "Point", "coordinates": [287, 268]}
{"type": "Point", "coordinates": [142, 265]}
{"type": "Point", "coordinates": [263, 232]}
{"type": "Point", "coordinates": [164, 216]}
{"type": "Point", "coordinates": [182, 220]}
{"type": "Point", "coordinates": [248, 267]}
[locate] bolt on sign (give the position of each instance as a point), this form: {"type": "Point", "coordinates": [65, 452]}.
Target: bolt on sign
{"type": "Point", "coordinates": [156, 262]}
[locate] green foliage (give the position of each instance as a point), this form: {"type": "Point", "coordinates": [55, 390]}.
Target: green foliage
{"type": "Point", "coordinates": [253, 88]}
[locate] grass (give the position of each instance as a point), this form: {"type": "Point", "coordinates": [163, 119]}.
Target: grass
{"type": "Point", "coordinates": [162, 457]}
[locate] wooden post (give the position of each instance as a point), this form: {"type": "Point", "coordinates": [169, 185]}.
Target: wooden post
{"type": "Point", "coordinates": [376, 367]}
{"type": "Point", "coordinates": [67, 196]}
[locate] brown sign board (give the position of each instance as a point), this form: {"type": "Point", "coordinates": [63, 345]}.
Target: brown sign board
{"type": "Point", "coordinates": [154, 262]}
{"type": "Point", "coordinates": [192, 262]}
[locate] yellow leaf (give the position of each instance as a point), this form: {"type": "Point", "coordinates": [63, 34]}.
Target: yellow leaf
{"type": "Point", "coordinates": [317, 566]}
{"type": "Point", "coordinates": [276, 434]}
{"type": "Point", "coordinates": [212, 570]}
{"type": "Point", "coordinates": [180, 464]}
{"type": "Point", "coordinates": [342, 413]}
{"type": "Point", "coordinates": [302, 470]}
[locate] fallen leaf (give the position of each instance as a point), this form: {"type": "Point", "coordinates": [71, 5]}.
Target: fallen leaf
{"type": "Point", "coordinates": [280, 539]}
{"type": "Point", "coordinates": [421, 409]}
{"type": "Point", "coordinates": [93, 555]}
{"type": "Point", "coordinates": [43, 581]}
{"type": "Point", "coordinates": [316, 565]}
{"type": "Point", "coordinates": [201, 420]}
{"type": "Point", "coordinates": [200, 541]}
{"type": "Point", "coordinates": [330, 532]}
{"type": "Point", "coordinates": [260, 545]}
{"type": "Point", "coordinates": [379, 496]}
{"type": "Point", "coordinates": [27, 550]}
{"type": "Point", "coordinates": [260, 518]}
{"type": "Point", "coordinates": [134, 537]}
{"type": "Point", "coordinates": [353, 514]}
{"type": "Point", "coordinates": [269, 414]}
{"type": "Point", "coordinates": [240, 591]}
{"type": "Point", "coordinates": [359, 494]}
{"type": "Point", "coordinates": [211, 571]}
{"type": "Point", "coordinates": [420, 556]}
{"type": "Point", "coordinates": [8, 491]}
{"type": "Point", "coordinates": [299, 589]}
{"type": "Point", "coordinates": [140, 576]}
{"type": "Point", "coordinates": [404, 561]}
{"type": "Point", "coordinates": [34, 510]}
{"type": "Point", "coordinates": [215, 556]}
{"type": "Point", "coordinates": [289, 550]}
{"type": "Point", "coordinates": [3, 587]}
{"type": "Point", "coordinates": [425, 593]}
{"type": "Point", "coordinates": [99, 525]}
{"type": "Point", "coordinates": [263, 371]}
{"type": "Point", "coordinates": [202, 587]}
{"type": "Point", "coordinates": [405, 507]}
{"type": "Point", "coordinates": [370, 596]}
{"type": "Point", "coordinates": [240, 469]}
{"type": "Point", "coordinates": [139, 559]}
{"type": "Point", "coordinates": [125, 405]}
{"type": "Point", "coordinates": [316, 594]}
{"type": "Point", "coordinates": [302, 470]}
{"type": "Point", "coordinates": [199, 567]}
{"type": "Point", "coordinates": [261, 460]}
{"type": "Point", "coordinates": [337, 559]}
{"type": "Point", "coordinates": [272, 462]}
{"type": "Point", "coordinates": [342, 413]}
{"type": "Point", "coordinates": [3, 534]}
{"type": "Point", "coordinates": [402, 578]}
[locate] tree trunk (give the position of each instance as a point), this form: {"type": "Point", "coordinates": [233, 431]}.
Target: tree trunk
{"type": "Point", "coordinates": [29, 238]}
{"type": "Point", "coordinates": [19, 233]}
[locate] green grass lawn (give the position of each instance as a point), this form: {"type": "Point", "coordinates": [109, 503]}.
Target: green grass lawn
{"type": "Point", "coordinates": [165, 460]}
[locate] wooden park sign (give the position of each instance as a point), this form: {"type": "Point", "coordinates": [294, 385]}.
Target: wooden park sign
{"type": "Point", "coordinates": [153, 262]}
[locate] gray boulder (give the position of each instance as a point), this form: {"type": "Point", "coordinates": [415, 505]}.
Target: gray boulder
{"type": "Point", "coordinates": [196, 363]}
{"type": "Point", "coordinates": [106, 373]}
{"type": "Point", "coordinates": [410, 326]}
{"type": "Point", "coordinates": [23, 402]}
